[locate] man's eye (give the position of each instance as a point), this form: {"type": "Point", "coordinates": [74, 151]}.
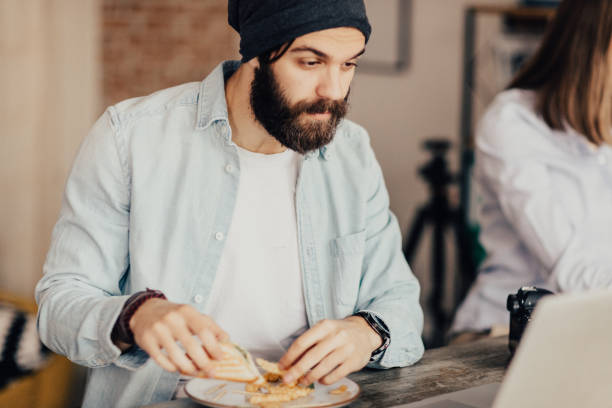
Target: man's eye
{"type": "Point", "coordinates": [350, 65]}
{"type": "Point", "coordinates": [310, 63]}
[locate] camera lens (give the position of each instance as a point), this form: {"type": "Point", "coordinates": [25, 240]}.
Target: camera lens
{"type": "Point", "coordinates": [512, 304]}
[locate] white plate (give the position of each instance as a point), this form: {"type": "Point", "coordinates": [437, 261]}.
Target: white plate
{"type": "Point", "coordinates": [206, 391]}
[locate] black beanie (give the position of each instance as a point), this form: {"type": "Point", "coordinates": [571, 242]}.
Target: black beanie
{"type": "Point", "coordinates": [266, 24]}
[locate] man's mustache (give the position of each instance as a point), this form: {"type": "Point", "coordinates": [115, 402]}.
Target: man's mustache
{"type": "Point", "coordinates": [336, 108]}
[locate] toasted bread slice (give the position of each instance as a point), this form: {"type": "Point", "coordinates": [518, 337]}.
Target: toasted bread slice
{"type": "Point", "coordinates": [236, 366]}
{"type": "Point", "coordinates": [270, 367]}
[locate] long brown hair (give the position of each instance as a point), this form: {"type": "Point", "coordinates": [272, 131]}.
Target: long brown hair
{"type": "Point", "coordinates": [572, 70]}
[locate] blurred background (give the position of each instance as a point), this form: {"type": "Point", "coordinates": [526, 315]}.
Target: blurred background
{"type": "Point", "coordinates": [431, 68]}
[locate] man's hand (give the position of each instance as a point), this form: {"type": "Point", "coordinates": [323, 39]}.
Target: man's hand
{"type": "Point", "coordinates": [330, 350]}
{"type": "Point", "coordinates": [159, 324]}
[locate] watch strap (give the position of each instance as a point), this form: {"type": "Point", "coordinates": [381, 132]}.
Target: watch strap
{"type": "Point", "coordinates": [377, 324]}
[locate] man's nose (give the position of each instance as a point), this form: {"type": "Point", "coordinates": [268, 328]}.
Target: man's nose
{"type": "Point", "coordinates": [330, 86]}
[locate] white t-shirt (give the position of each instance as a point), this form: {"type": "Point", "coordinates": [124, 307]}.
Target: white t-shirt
{"type": "Point", "coordinates": [257, 296]}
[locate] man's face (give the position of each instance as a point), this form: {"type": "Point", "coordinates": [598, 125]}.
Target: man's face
{"type": "Point", "coordinates": [301, 98]}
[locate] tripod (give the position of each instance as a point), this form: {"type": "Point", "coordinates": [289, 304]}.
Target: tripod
{"type": "Point", "coordinates": [441, 216]}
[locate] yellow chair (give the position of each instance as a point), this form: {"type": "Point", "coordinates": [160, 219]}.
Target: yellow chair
{"type": "Point", "coordinates": [49, 387]}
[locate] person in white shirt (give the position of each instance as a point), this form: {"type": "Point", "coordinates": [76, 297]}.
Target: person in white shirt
{"type": "Point", "coordinates": [543, 171]}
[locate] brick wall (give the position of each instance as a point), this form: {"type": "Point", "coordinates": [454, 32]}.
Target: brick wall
{"type": "Point", "coordinates": [153, 44]}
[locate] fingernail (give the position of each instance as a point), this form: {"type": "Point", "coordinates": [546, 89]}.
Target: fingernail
{"type": "Point", "coordinates": [288, 379]}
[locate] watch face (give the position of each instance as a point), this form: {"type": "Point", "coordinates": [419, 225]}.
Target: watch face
{"type": "Point", "coordinates": [381, 325]}
{"type": "Point", "coordinates": [378, 325]}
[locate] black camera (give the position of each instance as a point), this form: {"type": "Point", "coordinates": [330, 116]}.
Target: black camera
{"type": "Point", "coordinates": [521, 306]}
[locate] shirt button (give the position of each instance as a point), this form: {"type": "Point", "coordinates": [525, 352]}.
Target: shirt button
{"type": "Point", "coordinates": [198, 298]}
{"type": "Point", "coordinates": [219, 236]}
{"type": "Point", "coordinates": [229, 168]}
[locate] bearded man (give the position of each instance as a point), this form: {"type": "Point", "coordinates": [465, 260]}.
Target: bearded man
{"type": "Point", "coordinates": [244, 207]}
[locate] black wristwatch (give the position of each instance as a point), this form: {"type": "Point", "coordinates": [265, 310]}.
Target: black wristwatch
{"type": "Point", "coordinates": [379, 327]}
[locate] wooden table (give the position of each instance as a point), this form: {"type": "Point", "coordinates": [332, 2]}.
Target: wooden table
{"type": "Point", "coordinates": [441, 371]}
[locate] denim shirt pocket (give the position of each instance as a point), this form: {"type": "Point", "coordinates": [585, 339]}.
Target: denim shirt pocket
{"type": "Point", "coordinates": [347, 254]}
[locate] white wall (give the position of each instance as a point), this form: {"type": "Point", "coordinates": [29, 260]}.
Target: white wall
{"type": "Point", "coordinates": [400, 111]}
{"type": "Point", "coordinates": [49, 76]}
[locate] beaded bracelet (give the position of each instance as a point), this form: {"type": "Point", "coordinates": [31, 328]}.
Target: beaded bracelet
{"type": "Point", "coordinates": [122, 331]}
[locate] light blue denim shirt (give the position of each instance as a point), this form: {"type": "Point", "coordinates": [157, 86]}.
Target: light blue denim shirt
{"type": "Point", "coordinates": [149, 202]}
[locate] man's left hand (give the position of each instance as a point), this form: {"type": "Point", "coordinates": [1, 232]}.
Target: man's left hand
{"type": "Point", "coordinates": [329, 351]}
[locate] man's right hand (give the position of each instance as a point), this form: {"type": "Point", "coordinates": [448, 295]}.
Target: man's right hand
{"type": "Point", "coordinates": [158, 325]}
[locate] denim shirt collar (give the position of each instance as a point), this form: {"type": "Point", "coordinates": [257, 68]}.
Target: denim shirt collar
{"type": "Point", "coordinates": [212, 105]}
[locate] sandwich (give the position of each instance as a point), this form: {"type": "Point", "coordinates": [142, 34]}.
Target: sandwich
{"type": "Point", "coordinates": [236, 366]}
{"type": "Point", "coordinates": [263, 390]}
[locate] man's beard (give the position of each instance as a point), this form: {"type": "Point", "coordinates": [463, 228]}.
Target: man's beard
{"type": "Point", "coordinates": [288, 124]}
